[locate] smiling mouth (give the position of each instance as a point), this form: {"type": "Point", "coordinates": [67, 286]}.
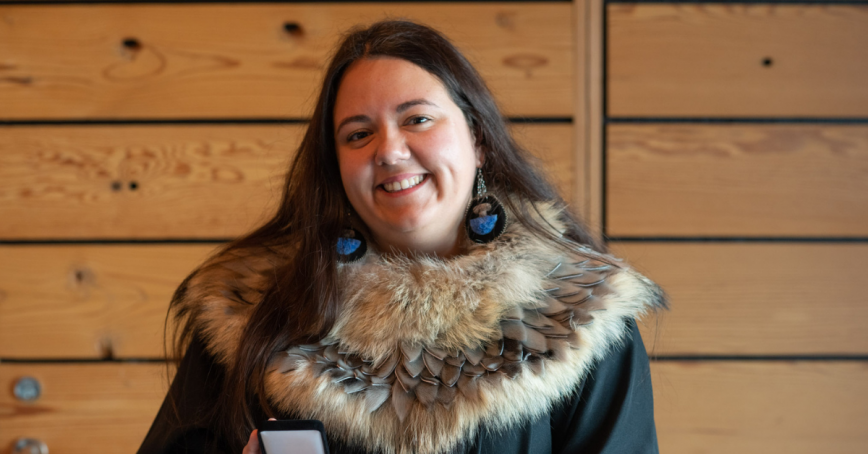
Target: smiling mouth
{"type": "Point", "coordinates": [403, 185]}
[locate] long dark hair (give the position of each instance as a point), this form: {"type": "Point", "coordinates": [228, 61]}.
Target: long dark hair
{"type": "Point", "coordinates": [303, 301]}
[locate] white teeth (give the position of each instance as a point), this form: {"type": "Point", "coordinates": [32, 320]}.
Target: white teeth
{"type": "Point", "coordinates": [403, 184]}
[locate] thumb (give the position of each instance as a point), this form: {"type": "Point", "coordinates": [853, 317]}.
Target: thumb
{"type": "Point", "coordinates": [252, 446]}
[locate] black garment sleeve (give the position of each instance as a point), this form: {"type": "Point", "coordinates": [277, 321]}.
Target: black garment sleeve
{"type": "Point", "coordinates": [613, 412]}
{"type": "Point", "coordinates": [183, 424]}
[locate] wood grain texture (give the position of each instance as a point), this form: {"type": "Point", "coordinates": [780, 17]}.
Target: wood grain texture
{"type": "Point", "coordinates": [707, 60]}
{"type": "Point", "coordinates": [737, 180]}
{"type": "Point", "coordinates": [587, 118]}
{"type": "Point", "coordinates": [553, 146]}
{"type": "Point", "coordinates": [727, 299]}
{"type": "Point", "coordinates": [595, 141]}
{"type": "Point", "coordinates": [89, 301]}
{"type": "Point", "coordinates": [798, 407]}
{"type": "Point", "coordinates": [84, 408]}
{"type": "Point", "coordinates": [190, 181]}
{"type": "Point", "coordinates": [236, 61]}
{"type": "Point", "coordinates": [761, 407]}
{"type": "Point", "coordinates": [755, 298]}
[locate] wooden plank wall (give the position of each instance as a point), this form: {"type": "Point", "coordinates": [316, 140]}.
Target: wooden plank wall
{"type": "Point", "coordinates": [734, 159]}
{"type": "Point", "coordinates": [721, 148]}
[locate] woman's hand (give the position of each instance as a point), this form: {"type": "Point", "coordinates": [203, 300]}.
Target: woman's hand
{"type": "Point", "coordinates": [252, 446]}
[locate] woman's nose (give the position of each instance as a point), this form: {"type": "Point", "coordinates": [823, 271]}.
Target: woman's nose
{"type": "Point", "coordinates": [392, 148]}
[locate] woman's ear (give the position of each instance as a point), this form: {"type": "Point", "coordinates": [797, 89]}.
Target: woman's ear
{"type": "Point", "coordinates": [480, 155]}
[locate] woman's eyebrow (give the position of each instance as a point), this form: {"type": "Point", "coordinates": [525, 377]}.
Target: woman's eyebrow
{"type": "Point", "coordinates": [352, 119]}
{"type": "Point", "coordinates": [414, 102]}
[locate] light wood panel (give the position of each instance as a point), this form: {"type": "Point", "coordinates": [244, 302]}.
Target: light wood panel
{"type": "Point", "coordinates": [221, 60]}
{"type": "Point", "coordinates": [798, 407]}
{"type": "Point", "coordinates": [589, 111]}
{"type": "Point", "coordinates": [737, 180]}
{"type": "Point", "coordinates": [190, 181]}
{"type": "Point", "coordinates": [89, 301]}
{"type": "Point", "coordinates": [79, 301]}
{"type": "Point", "coordinates": [755, 298]}
{"type": "Point", "coordinates": [84, 408]}
{"type": "Point", "coordinates": [707, 60]}
{"type": "Point", "coordinates": [761, 407]}
{"type": "Point", "coordinates": [553, 145]}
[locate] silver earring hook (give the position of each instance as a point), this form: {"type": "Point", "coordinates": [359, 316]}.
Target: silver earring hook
{"type": "Point", "coordinates": [480, 183]}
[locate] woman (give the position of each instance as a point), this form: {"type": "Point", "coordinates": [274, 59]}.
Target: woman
{"type": "Point", "coordinates": [421, 289]}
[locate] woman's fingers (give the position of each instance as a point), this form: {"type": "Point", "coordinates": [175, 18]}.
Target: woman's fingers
{"type": "Point", "coordinates": [252, 446]}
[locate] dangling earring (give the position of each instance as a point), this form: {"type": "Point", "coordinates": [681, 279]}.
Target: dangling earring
{"type": "Point", "coordinates": [485, 219]}
{"type": "Point", "coordinates": [351, 245]}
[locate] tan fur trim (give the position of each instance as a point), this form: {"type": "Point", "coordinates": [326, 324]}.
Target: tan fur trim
{"type": "Point", "coordinates": [448, 304]}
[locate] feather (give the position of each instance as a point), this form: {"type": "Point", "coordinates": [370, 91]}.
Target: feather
{"type": "Point", "coordinates": [468, 387]}
{"type": "Point", "coordinates": [402, 401]}
{"type": "Point", "coordinates": [446, 395]}
{"type": "Point", "coordinates": [414, 367]}
{"type": "Point", "coordinates": [450, 375]}
{"type": "Point", "coordinates": [376, 396]}
{"type": "Point", "coordinates": [408, 382]}
{"type": "Point", "coordinates": [411, 351]}
{"type": "Point", "coordinates": [513, 329]}
{"type": "Point", "coordinates": [388, 366]}
{"type": "Point", "coordinates": [456, 361]}
{"type": "Point", "coordinates": [432, 363]}
{"type": "Point", "coordinates": [354, 386]}
{"type": "Point", "coordinates": [426, 393]}
{"type": "Point", "coordinates": [474, 355]}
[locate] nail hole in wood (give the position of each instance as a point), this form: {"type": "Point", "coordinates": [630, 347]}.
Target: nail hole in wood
{"type": "Point", "coordinates": [132, 44]}
{"type": "Point", "coordinates": [767, 62]}
{"type": "Point", "coordinates": [134, 185]}
{"type": "Point", "coordinates": [116, 186]}
{"type": "Point", "coordinates": [293, 28]}
{"type": "Point", "coordinates": [107, 350]}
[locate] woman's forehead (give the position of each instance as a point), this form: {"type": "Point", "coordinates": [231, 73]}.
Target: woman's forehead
{"type": "Point", "coordinates": [386, 82]}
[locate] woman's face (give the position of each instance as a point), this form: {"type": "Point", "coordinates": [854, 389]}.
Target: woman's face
{"type": "Point", "coordinates": [406, 154]}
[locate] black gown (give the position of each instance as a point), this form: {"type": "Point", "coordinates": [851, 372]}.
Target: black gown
{"type": "Point", "coordinates": [611, 412]}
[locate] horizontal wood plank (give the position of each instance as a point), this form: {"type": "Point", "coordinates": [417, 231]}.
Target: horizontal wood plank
{"type": "Point", "coordinates": [169, 181]}
{"type": "Point", "coordinates": [727, 299]}
{"type": "Point", "coordinates": [761, 407]}
{"type": "Point", "coordinates": [82, 406]}
{"type": "Point", "coordinates": [553, 145]}
{"type": "Point", "coordinates": [236, 61]}
{"type": "Point", "coordinates": [89, 301]}
{"type": "Point", "coordinates": [737, 60]}
{"type": "Point", "coordinates": [755, 299]}
{"type": "Point", "coordinates": [798, 180]}
{"type": "Point", "coordinates": [141, 181]}
{"type": "Point", "coordinates": [713, 407]}
{"type": "Point", "coordinates": [93, 301]}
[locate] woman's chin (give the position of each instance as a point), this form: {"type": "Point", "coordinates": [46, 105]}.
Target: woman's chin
{"type": "Point", "coordinates": [417, 233]}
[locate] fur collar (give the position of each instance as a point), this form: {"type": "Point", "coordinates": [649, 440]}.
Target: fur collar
{"type": "Point", "coordinates": [427, 350]}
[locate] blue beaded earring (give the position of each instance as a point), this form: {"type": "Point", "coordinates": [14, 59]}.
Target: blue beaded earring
{"type": "Point", "coordinates": [351, 245]}
{"type": "Point", "coordinates": [485, 219]}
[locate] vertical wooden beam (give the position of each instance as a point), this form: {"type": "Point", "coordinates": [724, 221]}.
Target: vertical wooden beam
{"type": "Point", "coordinates": [588, 116]}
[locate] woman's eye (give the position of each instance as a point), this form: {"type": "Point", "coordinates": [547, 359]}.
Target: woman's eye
{"type": "Point", "coordinates": [418, 120]}
{"type": "Point", "coordinates": [358, 135]}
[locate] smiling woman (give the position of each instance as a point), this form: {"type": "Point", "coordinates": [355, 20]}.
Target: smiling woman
{"type": "Point", "coordinates": [406, 155]}
{"type": "Point", "coordinates": [466, 325]}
